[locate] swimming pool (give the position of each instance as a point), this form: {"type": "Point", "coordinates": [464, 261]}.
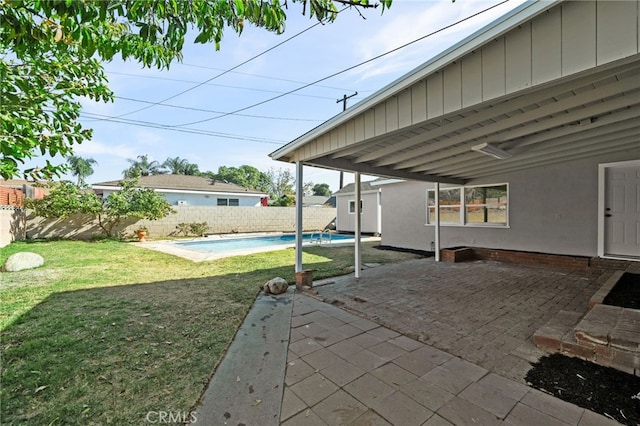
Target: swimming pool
{"type": "Point", "coordinates": [246, 243]}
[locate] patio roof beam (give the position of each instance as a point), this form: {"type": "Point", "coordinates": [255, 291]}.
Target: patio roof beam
{"type": "Point", "coordinates": [501, 106]}
{"type": "Point", "coordinates": [518, 120]}
{"type": "Point", "coordinates": [604, 151]}
{"type": "Point", "coordinates": [567, 154]}
{"type": "Point", "coordinates": [469, 160]}
{"type": "Point", "coordinates": [368, 169]}
{"type": "Point", "coordinates": [554, 122]}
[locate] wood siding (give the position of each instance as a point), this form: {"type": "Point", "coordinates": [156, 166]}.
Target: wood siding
{"type": "Point", "coordinates": [566, 39]}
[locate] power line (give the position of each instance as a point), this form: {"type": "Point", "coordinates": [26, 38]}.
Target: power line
{"type": "Point", "coordinates": [266, 117]}
{"type": "Point", "coordinates": [152, 125]}
{"type": "Point", "coordinates": [178, 127]}
{"type": "Point", "coordinates": [224, 72]}
{"type": "Point", "coordinates": [263, 76]}
{"type": "Point", "coordinates": [208, 84]}
{"type": "Point", "coordinates": [344, 70]}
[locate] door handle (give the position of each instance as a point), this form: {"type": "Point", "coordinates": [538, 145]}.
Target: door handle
{"type": "Point", "coordinates": [608, 215]}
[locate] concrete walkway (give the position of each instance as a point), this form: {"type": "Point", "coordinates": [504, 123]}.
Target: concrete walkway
{"type": "Point", "coordinates": [345, 369]}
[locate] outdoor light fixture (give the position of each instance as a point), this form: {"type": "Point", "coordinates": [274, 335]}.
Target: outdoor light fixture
{"type": "Point", "coordinates": [492, 150]}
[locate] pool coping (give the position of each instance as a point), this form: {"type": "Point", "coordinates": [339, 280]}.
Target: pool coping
{"type": "Point", "coordinates": [171, 247]}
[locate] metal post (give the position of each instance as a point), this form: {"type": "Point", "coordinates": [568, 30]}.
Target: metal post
{"type": "Point", "coordinates": [437, 227]}
{"type": "Point", "coordinates": [299, 194]}
{"type": "Point", "coordinates": [358, 227]}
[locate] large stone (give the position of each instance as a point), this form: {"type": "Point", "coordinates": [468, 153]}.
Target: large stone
{"type": "Point", "coordinates": [22, 260]}
{"type": "Point", "coordinates": [276, 285]}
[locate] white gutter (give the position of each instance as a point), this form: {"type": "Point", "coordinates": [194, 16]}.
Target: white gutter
{"type": "Point", "coordinates": [493, 30]}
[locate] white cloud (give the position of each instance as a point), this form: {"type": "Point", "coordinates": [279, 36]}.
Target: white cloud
{"type": "Point", "coordinates": [415, 20]}
{"type": "Point", "coordinates": [95, 148]}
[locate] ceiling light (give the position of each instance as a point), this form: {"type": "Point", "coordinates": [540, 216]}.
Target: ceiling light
{"type": "Point", "coordinates": [492, 150]}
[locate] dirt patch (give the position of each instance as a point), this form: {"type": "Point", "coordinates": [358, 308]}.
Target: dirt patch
{"type": "Point", "coordinates": [626, 292]}
{"type": "Point", "coordinates": [604, 390]}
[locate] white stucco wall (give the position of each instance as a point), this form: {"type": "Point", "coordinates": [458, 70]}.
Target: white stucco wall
{"type": "Point", "coordinates": [198, 199]}
{"type": "Point", "coordinates": [346, 222]}
{"type": "Point", "coordinates": [552, 209]}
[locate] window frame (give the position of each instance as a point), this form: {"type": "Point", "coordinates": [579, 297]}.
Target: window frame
{"type": "Point", "coordinates": [228, 202]}
{"type": "Point", "coordinates": [463, 205]}
{"type": "Point", "coordinates": [351, 207]}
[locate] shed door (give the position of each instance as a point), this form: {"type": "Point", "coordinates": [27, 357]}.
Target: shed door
{"type": "Point", "coordinates": [622, 211]}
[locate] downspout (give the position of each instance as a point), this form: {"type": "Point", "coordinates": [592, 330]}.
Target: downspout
{"type": "Point", "coordinates": [299, 195]}
{"type": "Point", "coordinates": [379, 212]}
{"type": "Point", "coordinates": [437, 227]}
{"type": "Point", "coordinates": [358, 224]}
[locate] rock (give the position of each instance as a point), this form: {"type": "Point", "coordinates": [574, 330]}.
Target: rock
{"type": "Point", "coordinates": [22, 260]}
{"type": "Point", "coordinates": [276, 285]}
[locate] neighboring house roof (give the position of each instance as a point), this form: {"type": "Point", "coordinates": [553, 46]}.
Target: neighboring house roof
{"type": "Point", "coordinates": [331, 202]}
{"type": "Point", "coordinates": [182, 183]}
{"type": "Point", "coordinates": [314, 200]}
{"type": "Point", "coordinates": [364, 186]}
{"type": "Point", "coordinates": [19, 183]}
{"type": "Point", "coordinates": [548, 82]}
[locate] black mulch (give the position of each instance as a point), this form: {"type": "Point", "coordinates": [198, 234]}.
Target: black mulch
{"type": "Point", "coordinates": [604, 390]}
{"type": "Point", "coordinates": [626, 292]}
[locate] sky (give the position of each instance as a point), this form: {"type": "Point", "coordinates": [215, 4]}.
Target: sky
{"type": "Point", "coordinates": [233, 106]}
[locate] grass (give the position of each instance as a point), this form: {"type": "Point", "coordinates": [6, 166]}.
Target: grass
{"type": "Point", "coordinates": [106, 332]}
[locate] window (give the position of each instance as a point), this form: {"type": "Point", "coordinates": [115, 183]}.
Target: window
{"type": "Point", "coordinates": [352, 206]}
{"type": "Point", "coordinates": [449, 205]}
{"type": "Point", "coordinates": [486, 204]}
{"type": "Point", "coordinates": [471, 205]}
{"type": "Point", "coordinates": [228, 202]}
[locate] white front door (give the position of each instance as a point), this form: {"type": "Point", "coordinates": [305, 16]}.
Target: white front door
{"type": "Point", "coordinates": [622, 210]}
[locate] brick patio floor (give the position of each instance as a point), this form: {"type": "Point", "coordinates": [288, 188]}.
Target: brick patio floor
{"type": "Point", "coordinates": [483, 312]}
{"type": "Point", "coordinates": [453, 349]}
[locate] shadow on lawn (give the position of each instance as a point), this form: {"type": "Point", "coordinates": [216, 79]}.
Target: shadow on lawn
{"type": "Point", "coordinates": [114, 354]}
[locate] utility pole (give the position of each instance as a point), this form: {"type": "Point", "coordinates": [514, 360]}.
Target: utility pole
{"type": "Point", "coordinates": [344, 108]}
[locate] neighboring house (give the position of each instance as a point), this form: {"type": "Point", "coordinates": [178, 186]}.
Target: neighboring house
{"type": "Point", "coordinates": [181, 190]}
{"type": "Point", "coordinates": [314, 201]}
{"type": "Point", "coordinates": [14, 191]}
{"type": "Point", "coordinates": [533, 124]}
{"type": "Point", "coordinates": [370, 202]}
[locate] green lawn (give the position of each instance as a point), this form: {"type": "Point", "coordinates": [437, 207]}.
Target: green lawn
{"type": "Point", "coordinates": [106, 332]}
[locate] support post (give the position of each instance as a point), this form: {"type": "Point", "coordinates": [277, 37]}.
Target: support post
{"type": "Point", "coordinates": [436, 197]}
{"type": "Point", "coordinates": [299, 194]}
{"type": "Point", "coordinates": [358, 225]}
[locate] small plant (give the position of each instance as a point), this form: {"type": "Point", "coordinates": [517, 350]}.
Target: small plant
{"type": "Point", "coordinates": [183, 228]}
{"type": "Point", "coordinates": [198, 228]}
{"type": "Point", "coordinates": [193, 228]}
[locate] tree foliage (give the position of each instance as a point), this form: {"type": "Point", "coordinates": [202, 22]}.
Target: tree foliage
{"type": "Point", "coordinates": [65, 199]}
{"type": "Point", "coordinates": [81, 168]}
{"type": "Point", "coordinates": [51, 53]}
{"type": "Point", "coordinates": [181, 166]}
{"type": "Point", "coordinates": [143, 167]}
{"type": "Point", "coordinates": [282, 183]}
{"type": "Point", "coordinates": [246, 176]}
{"type": "Point", "coordinates": [321, 189]}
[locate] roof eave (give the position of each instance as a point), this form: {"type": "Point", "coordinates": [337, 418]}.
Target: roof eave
{"type": "Point", "coordinates": [495, 29]}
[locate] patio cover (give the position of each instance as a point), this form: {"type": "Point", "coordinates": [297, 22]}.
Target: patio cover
{"type": "Point", "coordinates": [548, 82]}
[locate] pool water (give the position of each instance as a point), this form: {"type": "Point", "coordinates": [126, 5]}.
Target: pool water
{"type": "Point", "coordinates": [231, 243]}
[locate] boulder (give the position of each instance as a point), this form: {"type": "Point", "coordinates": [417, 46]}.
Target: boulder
{"type": "Point", "coordinates": [22, 260]}
{"type": "Point", "coordinates": [275, 285]}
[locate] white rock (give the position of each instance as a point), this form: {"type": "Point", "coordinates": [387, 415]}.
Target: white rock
{"type": "Point", "coordinates": [22, 260]}
{"type": "Point", "coordinates": [276, 285]}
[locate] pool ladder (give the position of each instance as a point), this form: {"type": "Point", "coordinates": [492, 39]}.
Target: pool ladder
{"type": "Point", "coordinates": [318, 239]}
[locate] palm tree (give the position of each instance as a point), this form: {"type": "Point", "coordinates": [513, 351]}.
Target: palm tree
{"type": "Point", "coordinates": [181, 166]}
{"type": "Point", "coordinates": [81, 167]}
{"type": "Point", "coordinates": [143, 167]}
